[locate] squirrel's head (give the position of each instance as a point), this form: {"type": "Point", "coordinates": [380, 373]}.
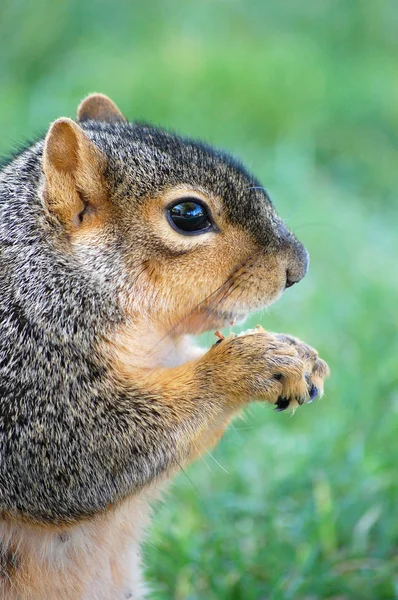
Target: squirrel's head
{"type": "Point", "coordinates": [182, 233]}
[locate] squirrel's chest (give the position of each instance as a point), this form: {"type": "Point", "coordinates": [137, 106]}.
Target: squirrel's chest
{"type": "Point", "coordinates": [95, 560]}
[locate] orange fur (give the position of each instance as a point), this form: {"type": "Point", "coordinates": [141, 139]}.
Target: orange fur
{"type": "Point", "coordinates": [166, 288]}
{"type": "Point", "coordinates": [73, 168]}
{"type": "Point", "coordinates": [96, 559]}
{"type": "Point", "coordinates": [100, 108]}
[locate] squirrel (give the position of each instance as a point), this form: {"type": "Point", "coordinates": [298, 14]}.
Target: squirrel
{"type": "Point", "coordinates": [120, 241]}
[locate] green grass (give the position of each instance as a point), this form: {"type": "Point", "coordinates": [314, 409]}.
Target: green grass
{"type": "Point", "coordinates": [301, 507]}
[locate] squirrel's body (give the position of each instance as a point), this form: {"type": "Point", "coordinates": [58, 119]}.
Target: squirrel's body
{"type": "Point", "coordinates": [102, 393]}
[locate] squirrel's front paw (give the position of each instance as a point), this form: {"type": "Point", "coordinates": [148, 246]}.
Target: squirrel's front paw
{"type": "Point", "coordinates": [273, 367]}
{"type": "Point", "coordinates": [315, 372]}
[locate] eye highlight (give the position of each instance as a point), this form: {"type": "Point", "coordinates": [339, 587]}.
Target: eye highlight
{"type": "Point", "coordinates": [189, 216]}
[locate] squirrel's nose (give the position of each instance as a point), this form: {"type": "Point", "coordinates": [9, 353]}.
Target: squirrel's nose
{"type": "Point", "coordinates": [289, 281]}
{"type": "Point", "coordinates": [298, 266]}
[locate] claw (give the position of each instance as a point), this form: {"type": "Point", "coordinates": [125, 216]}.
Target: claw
{"type": "Point", "coordinates": [282, 404]}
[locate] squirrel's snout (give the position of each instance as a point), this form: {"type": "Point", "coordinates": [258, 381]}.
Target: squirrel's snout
{"type": "Point", "coordinates": [293, 254]}
{"type": "Point", "coordinates": [297, 265]}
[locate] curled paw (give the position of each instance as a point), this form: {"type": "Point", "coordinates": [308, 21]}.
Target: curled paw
{"type": "Point", "coordinates": [259, 365]}
{"type": "Point", "coordinates": [311, 384]}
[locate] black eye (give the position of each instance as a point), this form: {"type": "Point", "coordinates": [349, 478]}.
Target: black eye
{"type": "Point", "coordinates": [190, 216]}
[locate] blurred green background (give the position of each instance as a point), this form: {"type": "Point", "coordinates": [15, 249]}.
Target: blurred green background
{"type": "Point", "coordinates": [306, 93]}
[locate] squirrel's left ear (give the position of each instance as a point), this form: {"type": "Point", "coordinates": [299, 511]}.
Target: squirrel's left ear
{"type": "Point", "coordinates": [74, 186]}
{"type": "Point", "coordinates": [98, 107]}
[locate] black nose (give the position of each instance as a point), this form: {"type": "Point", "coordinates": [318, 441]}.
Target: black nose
{"type": "Point", "coordinates": [298, 265]}
{"type": "Point", "coordinates": [289, 282]}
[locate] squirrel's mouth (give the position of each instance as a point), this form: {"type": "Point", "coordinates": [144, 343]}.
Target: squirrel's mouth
{"type": "Point", "coordinates": [222, 318]}
{"type": "Point", "coordinates": [207, 319]}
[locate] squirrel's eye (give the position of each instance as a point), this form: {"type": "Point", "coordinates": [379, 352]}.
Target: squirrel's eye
{"type": "Point", "coordinates": [189, 217]}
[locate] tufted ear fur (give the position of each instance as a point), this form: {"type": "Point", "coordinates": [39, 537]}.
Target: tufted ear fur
{"type": "Point", "coordinates": [74, 188]}
{"type": "Point", "coordinates": [99, 107]}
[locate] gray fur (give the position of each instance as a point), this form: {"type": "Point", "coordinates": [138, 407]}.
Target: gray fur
{"type": "Point", "coordinates": [71, 441]}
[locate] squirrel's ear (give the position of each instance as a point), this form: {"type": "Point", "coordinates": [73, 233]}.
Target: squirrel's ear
{"type": "Point", "coordinates": [74, 187]}
{"type": "Point", "coordinates": [99, 107]}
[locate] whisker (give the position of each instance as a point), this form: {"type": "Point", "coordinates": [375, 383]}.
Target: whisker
{"type": "Point", "coordinates": [257, 187]}
{"type": "Point", "coordinates": [233, 288]}
{"type": "Point", "coordinates": [213, 303]}
{"type": "Point", "coordinates": [215, 460]}
{"type": "Point", "coordinates": [235, 429]}
{"type": "Point", "coordinates": [191, 312]}
{"type": "Point", "coordinates": [217, 301]}
{"type": "Point", "coordinates": [202, 458]}
{"type": "Point", "coordinates": [318, 224]}
{"type": "Point", "coordinates": [203, 503]}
